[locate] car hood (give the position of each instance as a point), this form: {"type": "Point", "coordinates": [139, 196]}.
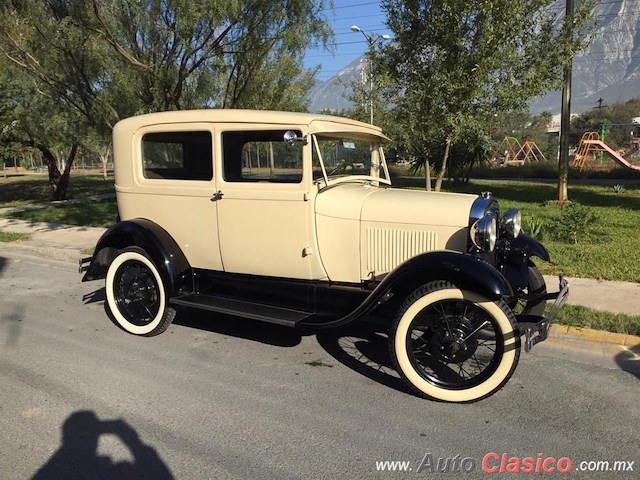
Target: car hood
{"type": "Point", "coordinates": [391, 205]}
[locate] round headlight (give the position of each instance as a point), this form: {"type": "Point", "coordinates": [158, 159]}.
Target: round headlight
{"type": "Point", "coordinates": [484, 233]}
{"type": "Point", "coordinates": [511, 223]}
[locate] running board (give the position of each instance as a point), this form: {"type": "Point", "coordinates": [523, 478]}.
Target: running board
{"type": "Point", "coordinates": [242, 308]}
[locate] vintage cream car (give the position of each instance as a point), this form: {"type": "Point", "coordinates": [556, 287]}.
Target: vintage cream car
{"type": "Point", "coordinates": [290, 218]}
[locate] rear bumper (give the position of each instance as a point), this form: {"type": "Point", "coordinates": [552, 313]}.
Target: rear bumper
{"type": "Point", "coordinates": [536, 329]}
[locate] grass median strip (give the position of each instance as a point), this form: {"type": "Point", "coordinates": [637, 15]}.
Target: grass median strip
{"type": "Point", "coordinates": [13, 236]}
{"type": "Point", "coordinates": [95, 214]}
{"type": "Point", "coordinates": [21, 190]}
{"type": "Point", "coordinates": [579, 316]}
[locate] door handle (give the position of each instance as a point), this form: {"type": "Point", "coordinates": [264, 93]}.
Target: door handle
{"type": "Point", "coordinates": [216, 196]}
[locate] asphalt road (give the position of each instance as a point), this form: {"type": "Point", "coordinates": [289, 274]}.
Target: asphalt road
{"type": "Point", "coordinates": [217, 397]}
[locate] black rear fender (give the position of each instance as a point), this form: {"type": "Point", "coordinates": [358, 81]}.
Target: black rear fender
{"type": "Point", "coordinates": [155, 241]}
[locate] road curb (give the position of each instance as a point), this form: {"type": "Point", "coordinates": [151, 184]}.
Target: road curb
{"type": "Point", "coordinates": [595, 336]}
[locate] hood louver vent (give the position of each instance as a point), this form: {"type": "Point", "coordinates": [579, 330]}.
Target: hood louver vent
{"type": "Point", "coordinates": [388, 247]}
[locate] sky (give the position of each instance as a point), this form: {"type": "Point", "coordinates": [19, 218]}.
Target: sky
{"type": "Point", "coordinates": [347, 45]}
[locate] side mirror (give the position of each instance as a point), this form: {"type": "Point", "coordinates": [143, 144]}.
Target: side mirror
{"type": "Point", "coordinates": [292, 137]}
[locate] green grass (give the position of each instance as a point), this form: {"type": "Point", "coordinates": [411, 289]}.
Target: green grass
{"type": "Point", "coordinates": [20, 190]}
{"type": "Point", "coordinates": [13, 236]}
{"type": "Point", "coordinates": [96, 214]}
{"type": "Point", "coordinates": [578, 316]}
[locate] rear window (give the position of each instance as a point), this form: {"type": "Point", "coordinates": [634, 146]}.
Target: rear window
{"type": "Point", "coordinates": [177, 155]}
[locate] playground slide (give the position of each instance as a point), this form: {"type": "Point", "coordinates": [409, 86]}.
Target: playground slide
{"type": "Point", "coordinates": [601, 146]}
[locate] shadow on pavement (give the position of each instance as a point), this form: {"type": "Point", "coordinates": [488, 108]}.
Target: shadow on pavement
{"type": "Point", "coordinates": [14, 319]}
{"type": "Point", "coordinates": [238, 327]}
{"type": "Point", "coordinates": [93, 297]}
{"type": "Point", "coordinates": [363, 348]}
{"type": "Point", "coordinates": [14, 324]}
{"type": "Point", "coordinates": [629, 361]}
{"type": "Point", "coordinates": [3, 264]}
{"type": "Point", "coordinates": [78, 455]}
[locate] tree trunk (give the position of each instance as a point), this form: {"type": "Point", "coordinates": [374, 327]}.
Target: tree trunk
{"type": "Point", "coordinates": [104, 160]}
{"type": "Point", "coordinates": [427, 174]}
{"type": "Point", "coordinates": [58, 181]}
{"type": "Point", "coordinates": [443, 168]}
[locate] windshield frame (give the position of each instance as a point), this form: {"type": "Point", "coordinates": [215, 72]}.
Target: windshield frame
{"type": "Point", "coordinates": [374, 142]}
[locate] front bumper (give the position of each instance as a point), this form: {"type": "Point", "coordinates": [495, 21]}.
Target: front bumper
{"type": "Point", "coordinates": [536, 329]}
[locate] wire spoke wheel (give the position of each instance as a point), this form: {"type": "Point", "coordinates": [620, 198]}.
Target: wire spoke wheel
{"type": "Point", "coordinates": [454, 345]}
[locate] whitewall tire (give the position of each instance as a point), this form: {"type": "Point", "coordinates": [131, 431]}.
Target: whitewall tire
{"type": "Point", "coordinates": [136, 294]}
{"type": "Point", "coordinates": [454, 345]}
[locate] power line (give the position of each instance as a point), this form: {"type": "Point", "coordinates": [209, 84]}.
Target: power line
{"type": "Point", "coordinates": [329, 9]}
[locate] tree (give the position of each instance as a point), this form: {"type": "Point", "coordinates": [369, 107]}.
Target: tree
{"type": "Point", "coordinates": [107, 60]}
{"type": "Point", "coordinates": [34, 120]}
{"type": "Point", "coordinates": [455, 60]}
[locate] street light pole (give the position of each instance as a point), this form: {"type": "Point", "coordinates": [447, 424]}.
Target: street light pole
{"type": "Point", "coordinates": [371, 41]}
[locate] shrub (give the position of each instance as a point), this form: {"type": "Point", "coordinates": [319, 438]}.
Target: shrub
{"type": "Point", "coordinates": [534, 227]}
{"type": "Point", "coordinates": [575, 223]}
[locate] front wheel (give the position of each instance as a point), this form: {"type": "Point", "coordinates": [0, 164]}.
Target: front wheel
{"type": "Point", "coordinates": [136, 294]}
{"type": "Point", "coordinates": [454, 345]}
{"type": "Point", "coordinates": [535, 286]}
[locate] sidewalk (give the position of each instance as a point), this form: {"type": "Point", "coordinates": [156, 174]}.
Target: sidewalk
{"type": "Point", "coordinates": [51, 240]}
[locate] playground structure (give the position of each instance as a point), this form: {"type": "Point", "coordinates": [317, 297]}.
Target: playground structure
{"type": "Point", "coordinates": [593, 142]}
{"type": "Point", "coordinates": [511, 152]}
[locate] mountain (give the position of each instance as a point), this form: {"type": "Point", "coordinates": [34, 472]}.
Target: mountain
{"type": "Point", "coordinates": [333, 94]}
{"type": "Point", "coordinates": [609, 69]}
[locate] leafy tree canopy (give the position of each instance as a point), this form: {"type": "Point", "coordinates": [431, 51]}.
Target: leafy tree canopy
{"type": "Point", "coordinates": [453, 60]}
{"type": "Point", "coordinates": [106, 60]}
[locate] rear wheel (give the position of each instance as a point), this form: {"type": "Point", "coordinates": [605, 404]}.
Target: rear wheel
{"type": "Point", "coordinates": [136, 294]}
{"type": "Point", "coordinates": [454, 345]}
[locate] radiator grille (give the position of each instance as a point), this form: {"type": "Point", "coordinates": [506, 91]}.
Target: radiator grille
{"type": "Point", "coordinates": [387, 247]}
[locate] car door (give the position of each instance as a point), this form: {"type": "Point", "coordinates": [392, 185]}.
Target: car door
{"type": "Point", "coordinates": [264, 212]}
{"type": "Point", "coordinates": [174, 183]}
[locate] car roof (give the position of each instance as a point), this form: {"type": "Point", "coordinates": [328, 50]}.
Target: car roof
{"type": "Point", "coordinates": [318, 123]}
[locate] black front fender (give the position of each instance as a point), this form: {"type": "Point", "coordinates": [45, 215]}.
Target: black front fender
{"type": "Point", "coordinates": [462, 270]}
{"type": "Point", "coordinates": [514, 259]}
{"type": "Point", "coordinates": [154, 240]}
{"type": "Point", "coordinates": [531, 246]}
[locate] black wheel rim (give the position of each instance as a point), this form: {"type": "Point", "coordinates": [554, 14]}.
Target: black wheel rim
{"type": "Point", "coordinates": [136, 292]}
{"type": "Point", "coordinates": [455, 344]}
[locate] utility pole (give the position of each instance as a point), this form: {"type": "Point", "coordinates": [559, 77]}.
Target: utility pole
{"type": "Point", "coordinates": [565, 120]}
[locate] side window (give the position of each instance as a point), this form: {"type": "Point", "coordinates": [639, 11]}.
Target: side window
{"type": "Point", "coordinates": [261, 156]}
{"type": "Point", "coordinates": [177, 155]}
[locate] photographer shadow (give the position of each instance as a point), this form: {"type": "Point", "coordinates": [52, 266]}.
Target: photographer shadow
{"type": "Point", "coordinates": [78, 455]}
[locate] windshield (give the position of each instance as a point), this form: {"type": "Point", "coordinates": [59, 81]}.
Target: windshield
{"type": "Point", "coordinates": [346, 158]}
